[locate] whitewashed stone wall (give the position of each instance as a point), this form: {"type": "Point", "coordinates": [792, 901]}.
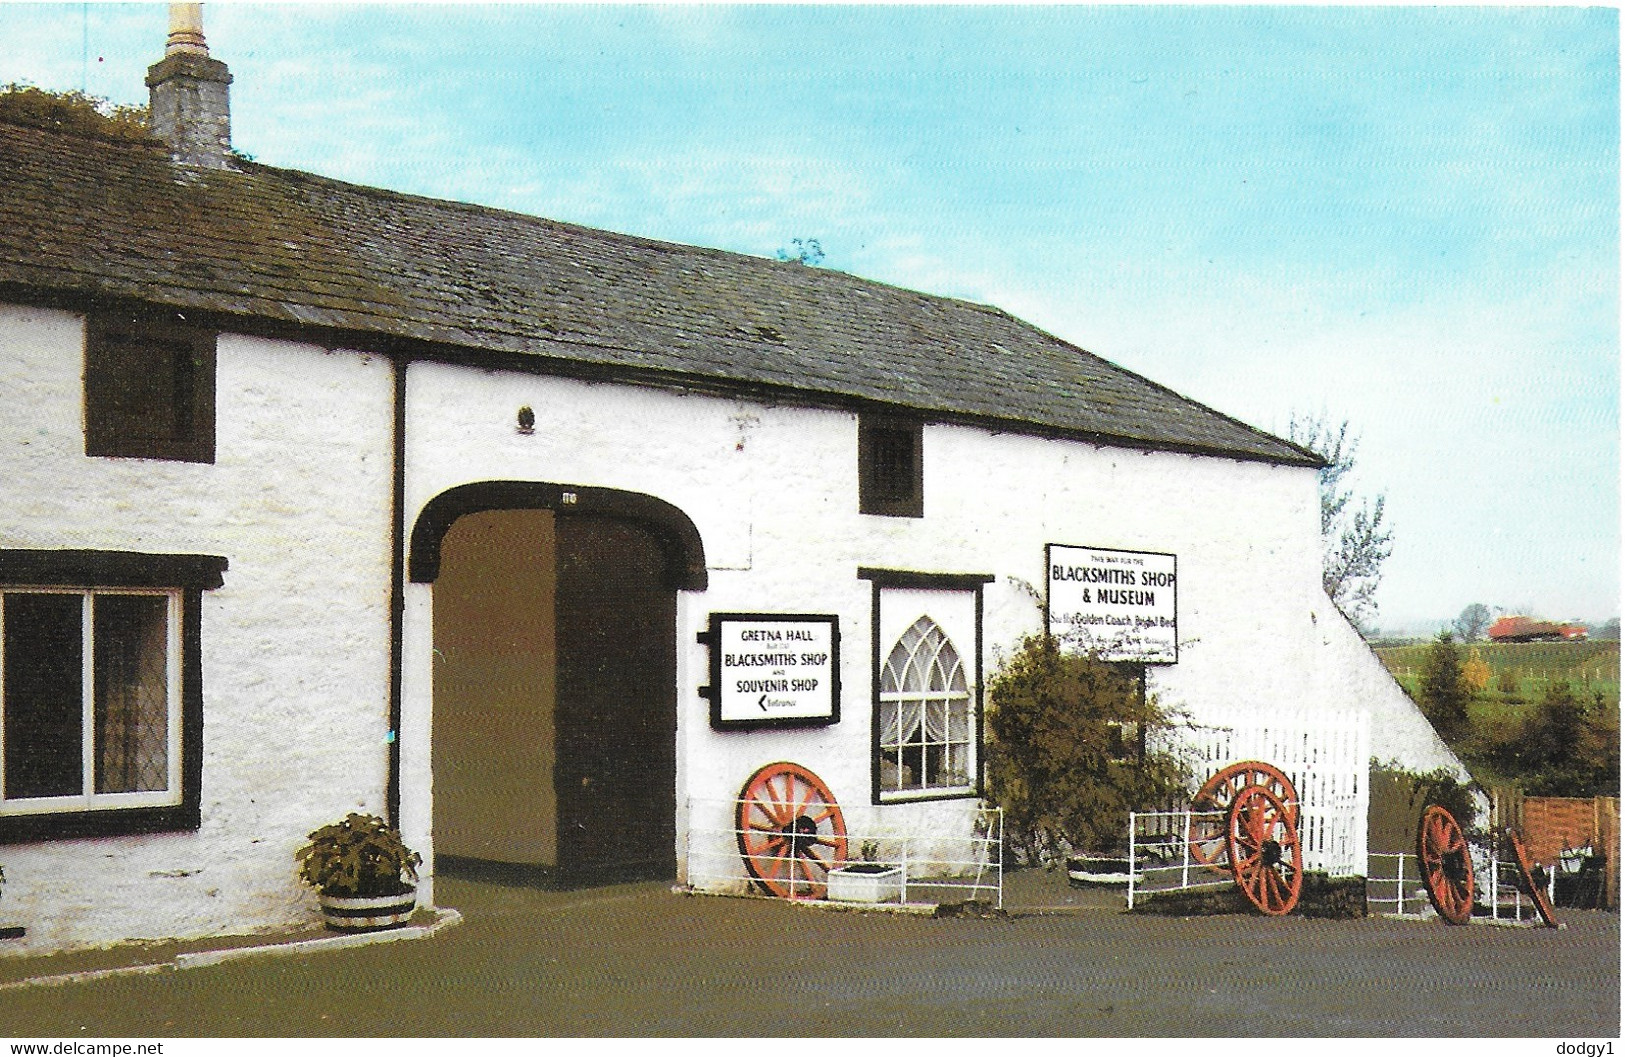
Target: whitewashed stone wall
{"type": "Point", "coordinates": [773, 493]}
{"type": "Point", "coordinates": [1345, 668]}
{"type": "Point", "coordinates": [294, 645]}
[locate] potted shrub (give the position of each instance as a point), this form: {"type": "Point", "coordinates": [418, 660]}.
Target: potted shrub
{"type": "Point", "coordinates": [364, 874]}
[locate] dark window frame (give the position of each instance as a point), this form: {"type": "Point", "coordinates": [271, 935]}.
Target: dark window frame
{"type": "Point", "coordinates": [890, 490]}
{"type": "Point", "coordinates": [113, 343]}
{"type": "Point", "coordinates": [881, 580]}
{"type": "Point", "coordinates": [190, 575]}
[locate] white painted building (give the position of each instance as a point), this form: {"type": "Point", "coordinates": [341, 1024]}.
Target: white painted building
{"type": "Point", "coordinates": [323, 498]}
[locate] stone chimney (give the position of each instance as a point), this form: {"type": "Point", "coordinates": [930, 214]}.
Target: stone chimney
{"type": "Point", "coordinates": [191, 106]}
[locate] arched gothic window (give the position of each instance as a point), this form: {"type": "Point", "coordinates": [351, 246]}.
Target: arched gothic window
{"type": "Point", "coordinates": [925, 715]}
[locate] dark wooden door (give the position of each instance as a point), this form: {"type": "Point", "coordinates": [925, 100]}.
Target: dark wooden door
{"type": "Point", "coordinates": [616, 712]}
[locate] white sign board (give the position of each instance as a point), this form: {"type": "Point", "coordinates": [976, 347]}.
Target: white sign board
{"type": "Point", "coordinates": [774, 670]}
{"type": "Point", "coordinates": [1120, 604]}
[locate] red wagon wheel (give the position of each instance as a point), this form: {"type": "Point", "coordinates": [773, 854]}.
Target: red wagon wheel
{"type": "Point", "coordinates": [790, 831]}
{"type": "Point", "coordinates": [1261, 838]}
{"type": "Point", "coordinates": [1526, 870]}
{"type": "Point", "coordinates": [1207, 833]}
{"type": "Point", "coordinates": [1447, 872]}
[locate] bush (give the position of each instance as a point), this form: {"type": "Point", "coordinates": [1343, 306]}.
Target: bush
{"type": "Point", "coordinates": [1073, 746]}
{"type": "Point", "coordinates": [1399, 796]}
{"type": "Point", "coordinates": [1565, 748]}
{"type": "Point", "coordinates": [72, 112]}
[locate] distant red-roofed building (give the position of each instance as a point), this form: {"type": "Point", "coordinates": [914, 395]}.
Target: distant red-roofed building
{"type": "Point", "coordinates": [1528, 629]}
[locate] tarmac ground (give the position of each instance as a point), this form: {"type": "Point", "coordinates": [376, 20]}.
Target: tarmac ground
{"type": "Point", "coordinates": [640, 959]}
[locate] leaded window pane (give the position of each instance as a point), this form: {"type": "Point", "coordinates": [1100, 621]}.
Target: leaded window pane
{"type": "Point", "coordinates": [131, 636]}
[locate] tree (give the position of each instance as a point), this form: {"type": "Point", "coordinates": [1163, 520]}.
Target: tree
{"type": "Point", "coordinates": [1476, 671]}
{"type": "Point", "coordinates": [1443, 692]}
{"type": "Point", "coordinates": [1473, 622]}
{"type": "Point", "coordinates": [1073, 746]}
{"type": "Point", "coordinates": [806, 251]}
{"type": "Point", "coordinates": [1354, 540]}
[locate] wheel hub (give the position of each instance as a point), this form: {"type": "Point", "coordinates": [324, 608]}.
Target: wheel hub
{"type": "Point", "coordinates": [801, 833]}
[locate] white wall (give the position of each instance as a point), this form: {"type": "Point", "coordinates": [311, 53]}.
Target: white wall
{"type": "Point", "coordinates": [1345, 668]}
{"type": "Point", "coordinates": [294, 645]}
{"type": "Point", "coordinates": [773, 493]}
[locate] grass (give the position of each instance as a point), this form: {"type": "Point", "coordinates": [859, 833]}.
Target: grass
{"type": "Point", "coordinates": [1514, 678]}
{"type": "Point", "coordinates": [1520, 672]}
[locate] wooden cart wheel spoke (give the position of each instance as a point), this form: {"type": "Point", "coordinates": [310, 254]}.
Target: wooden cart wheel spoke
{"type": "Point", "coordinates": [1447, 869]}
{"type": "Point", "coordinates": [1261, 839]}
{"type": "Point", "coordinates": [1208, 837]}
{"type": "Point", "coordinates": [782, 856]}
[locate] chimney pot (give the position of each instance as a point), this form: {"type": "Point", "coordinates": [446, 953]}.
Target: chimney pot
{"type": "Point", "coordinates": [186, 30]}
{"type": "Point", "coordinates": [189, 94]}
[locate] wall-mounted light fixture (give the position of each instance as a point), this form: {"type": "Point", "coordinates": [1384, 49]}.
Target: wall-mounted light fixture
{"type": "Point", "coordinates": [527, 420]}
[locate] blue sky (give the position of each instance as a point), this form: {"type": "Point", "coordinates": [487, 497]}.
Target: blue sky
{"type": "Point", "coordinates": [1404, 217]}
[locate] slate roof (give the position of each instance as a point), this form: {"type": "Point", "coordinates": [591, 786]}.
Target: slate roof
{"type": "Point", "coordinates": [83, 219]}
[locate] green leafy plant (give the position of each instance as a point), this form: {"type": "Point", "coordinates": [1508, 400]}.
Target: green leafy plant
{"type": "Point", "coordinates": [360, 856]}
{"type": "Point", "coordinates": [1565, 747]}
{"type": "Point", "coordinates": [1400, 795]}
{"type": "Point", "coordinates": [1074, 746]}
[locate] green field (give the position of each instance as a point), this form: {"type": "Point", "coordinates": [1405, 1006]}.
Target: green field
{"type": "Point", "coordinates": [1521, 671]}
{"type": "Point", "coordinates": [1514, 677]}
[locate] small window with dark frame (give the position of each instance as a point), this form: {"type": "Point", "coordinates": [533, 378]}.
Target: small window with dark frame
{"type": "Point", "coordinates": [890, 468]}
{"type": "Point", "coordinates": [149, 389]}
{"type": "Point", "coordinates": [80, 735]}
{"type": "Point", "coordinates": [101, 695]}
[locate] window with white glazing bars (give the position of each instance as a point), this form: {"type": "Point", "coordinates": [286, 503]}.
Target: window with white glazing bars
{"type": "Point", "coordinates": [926, 733]}
{"type": "Point", "coordinates": [89, 700]}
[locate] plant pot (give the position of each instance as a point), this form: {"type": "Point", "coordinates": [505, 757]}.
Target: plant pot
{"type": "Point", "coordinates": [866, 883]}
{"type": "Point", "coordinates": [367, 913]}
{"type": "Point", "coordinates": [1093, 870]}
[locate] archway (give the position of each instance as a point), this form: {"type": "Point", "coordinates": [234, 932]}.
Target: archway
{"type": "Point", "coordinates": [554, 745]}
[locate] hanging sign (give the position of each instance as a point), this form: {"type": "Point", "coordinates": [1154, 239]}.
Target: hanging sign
{"type": "Point", "coordinates": [774, 670]}
{"type": "Point", "coordinates": [1120, 604]}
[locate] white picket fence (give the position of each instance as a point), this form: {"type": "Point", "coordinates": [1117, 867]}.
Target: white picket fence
{"type": "Point", "coordinates": [1325, 754]}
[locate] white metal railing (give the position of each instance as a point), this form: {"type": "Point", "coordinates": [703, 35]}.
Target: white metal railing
{"type": "Point", "coordinates": [958, 861]}
{"type": "Point", "coordinates": [1159, 852]}
{"type": "Point", "coordinates": [1504, 882]}
{"type": "Point", "coordinates": [1161, 859]}
{"type": "Point", "coordinates": [1394, 880]}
